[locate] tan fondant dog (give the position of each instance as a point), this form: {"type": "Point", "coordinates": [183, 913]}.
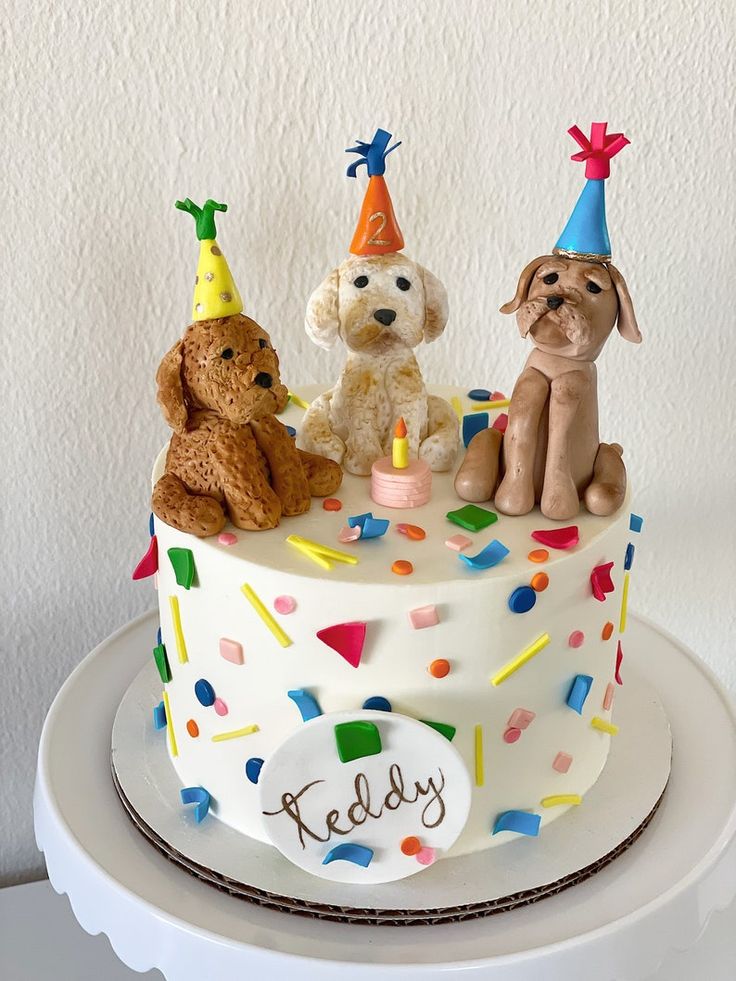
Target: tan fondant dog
{"type": "Point", "coordinates": [229, 456]}
{"type": "Point", "coordinates": [551, 448]}
{"type": "Point", "coordinates": [381, 307]}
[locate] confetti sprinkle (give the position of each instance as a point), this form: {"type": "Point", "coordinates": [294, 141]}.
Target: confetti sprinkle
{"type": "Point", "coordinates": [318, 559]}
{"type": "Point", "coordinates": [576, 638]}
{"type": "Point", "coordinates": [205, 692]}
{"type": "Point", "coordinates": [439, 668]}
{"type": "Point", "coordinates": [538, 555]}
{"type": "Point", "coordinates": [442, 728]}
{"type": "Point", "coordinates": [557, 800]}
{"type": "Point", "coordinates": [608, 697]}
{"type": "Point", "coordinates": [458, 542]}
{"type": "Point", "coordinates": [636, 523]}
{"type": "Point", "coordinates": [349, 852]}
{"type": "Point", "coordinates": [603, 726]}
{"type": "Point", "coordinates": [332, 504]}
{"type": "Point", "coordinates": [378, 703]}
{"type": "Point", "coordinates": [358, 520]}
{"type": "Point", "coordinates": [170, 726]}
{"type": "Point", "coordinates": [148, 565]}
{"type": "Point", "coordinates": [348, 534]}
{"type": "Point", "coordinates": [162, 663]}
{"type": "Point", "coordinates": [539, 582]}
{"type": "Point", "coordinates": [345, 638]}
{"type": "Point", "coordinates": [181, 647]}
{"type": "Point", "coordinates": [424, 616]}
{"type": "Point", "coordinates": [357, 739]}
{"type": "Point", "coordinates": [522, 599]}
{"type": "Point", "coordinates": [488, 557]}
{"type": "Point", "coordinates": [426, 856]}
{"type": "Point", "coordinates": [521, 659]}
{"type": "Point", "coordinates": [413, 532]}
{"type": "Point", "coordinates": [562, 762]}
{"type": "Point", "coordinates": [501, 422]}
{"type": "Point", "coordinates": [472, 517]}
{"type": "Point", "coordinates": [512, 734]}
{"type": "Point", "coordinates": [291, 431]}
{"type": "Point", "coordinates": [522, 718]}
{"type": "Point", "coordinates": [629, 557]}
{"type": "Point", "coordinates": [220, 707]}
{"type": "Point", "coordinates": [284, 605]}
{"type": "Point", "coordinates": [521, 822]}
{"type": "Point", "coordinates": [231, 650]}
{"type": "Point", "coordinates": [624, 603]}
{"type": "Point", "coordinates": [607, 630]}
{"type": "Point", "coordinates": [457, 406]}
{"type": "Point", "coordinates": [200, 798]}
{"type": "Point", "coordinates": [227, 538]}
{"type": "Point", "coordinates": [234, 734]}
{"type": "Point", "coordinates": [151, 525]}
{"type": "Point", "coordinates": [374, 527]}
{"type": "Point", "coordinates": [478, 745]}
{"type": "Point", "coordinates": [579, 691]}
{"type": "Point", "coordinates": [306, 703]}
{"type": "Point", "coordinates": [558, 538]}
{"type": "Point", "coordinates": [159, 716]}
{"type": "Point", "coordinates": [619, 660]}
{"type": "Point", "coordinates": [182, 562]}
{"type": "Point", "coordinates": [479, 394]}
{"type": "Point", "coordinates": [601, 582]}
{"type": "Point", "coordinates": [410, 845]}
{"type": "Point", "coordinates": [253, 768]}
{"type": "Point", "coordinates": [474, 424]}
{"type": "Point", "coordinates": [402, 568]}
{"type": "Point", "coordinates": [192, 728]}
{"type": "Point", "coordinates": [281, 636]}
{"type": "Point", "coordinates": [324, 550]}
{"type": "Point", "coordinates": [298, 401]}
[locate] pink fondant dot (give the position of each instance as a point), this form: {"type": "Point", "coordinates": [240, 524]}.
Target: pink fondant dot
{"type": "Point", "coordinates": [220, 707]}
{"type": "Point", "coordinates": [284, 604]}
{"type": "Point", "coordinates": [576, 638]}
{"type": "Point", "coordinates": [425, 856]}
{"type": "Point", "coordinates": [511, 734]}
{"type": "Point", "coordinates": [227, 538]}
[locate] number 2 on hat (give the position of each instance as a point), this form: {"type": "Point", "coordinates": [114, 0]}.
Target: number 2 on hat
{"type": "Point", "coordinates": [374, 240]}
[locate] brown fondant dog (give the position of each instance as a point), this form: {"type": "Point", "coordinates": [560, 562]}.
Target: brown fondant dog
{"type": "Point", "coordinates": [229, 456]}
{"type": "Point", "coordinates": [551, 449]}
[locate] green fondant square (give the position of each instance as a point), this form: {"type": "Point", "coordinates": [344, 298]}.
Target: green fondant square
{"type": "Point", "coordinates": [357, 739]}
{"type": "Point", "coordinates": [162, 663]}
{"type": "Point", "coordinates": [472, 517]}
{"type": "Point", "coordinates": [182, 560]}
{"type": "Point", "coordinates": [443, 728]}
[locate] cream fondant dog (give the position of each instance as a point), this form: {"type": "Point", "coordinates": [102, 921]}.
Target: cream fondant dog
{"type": "Point", "coordinates": [381, 307]}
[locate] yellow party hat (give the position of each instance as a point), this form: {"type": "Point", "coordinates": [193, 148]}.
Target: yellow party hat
{"type": "Point", "coordinates": [215, 292]}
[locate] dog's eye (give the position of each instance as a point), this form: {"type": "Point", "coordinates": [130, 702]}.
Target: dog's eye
{"type": "Point", "coordinates": [361, 282]}
{"type": "Point", "coordinates": [227, 353]}
{"type": "Point", "coordinates": [262, 343]}
{"type": "Point", "coordinates": [550, 279]}
{"type": "Point", "coordinates": [592, 287]}
{"type": "Point", "coordinates": [403, 284]}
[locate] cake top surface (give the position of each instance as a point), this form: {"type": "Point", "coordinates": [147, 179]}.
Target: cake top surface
{"type": "Point", "coordinates": [431, 559]}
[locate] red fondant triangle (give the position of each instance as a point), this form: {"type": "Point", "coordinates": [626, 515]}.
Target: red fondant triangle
{"type": "Point", "coordinates": [148, 565]}
{"type": "Point", "coordinates": [619, 660]}
{"type": "Point", "coordinates": [601, 582]}
{"type": "Point", "coordinates": [557, 537]}
{"type": "Point", "coordinates": [345, 638]}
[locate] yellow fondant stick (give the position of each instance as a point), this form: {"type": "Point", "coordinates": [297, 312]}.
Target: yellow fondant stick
{"type": "Point", "coordinates": [281, 636]}
{"type": "Point", "coordinates": [330, 553]}
{"type": "Point", "coordinates": [624, 603]}
{"type": "Point", "coordinates": [479, 756]}
{"type": "Point", "coordinates": [181, 647]}
{"type": "Point", "coordinates": [234, 734]}
{"type": "Point", "coordinates": [297, 401]}
{"type": "Point", "coordinates": [170, 725]}
{"type": "Point", "coordinates": [555, 800]}
{"type": "Point", "coordinates": [603, 726]}
{"type": "Point", "coordinates": [498, 404]}
{"type": "Point", "coordinates": [457, 406]}
{"type": "Point", "coordinates": [526, 655]}
{"type": "Point", "coordinates": [310, 553]}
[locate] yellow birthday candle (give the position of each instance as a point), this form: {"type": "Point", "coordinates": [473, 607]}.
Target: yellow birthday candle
{"type": "Point", "coordinates": [400, 447]}
{"type": "Point", "coordinates": [215, 292]}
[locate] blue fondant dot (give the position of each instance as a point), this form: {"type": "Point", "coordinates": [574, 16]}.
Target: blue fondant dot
{"type": "Point", "coordinates": [158, 636]}
{"type": "Point", "coordinates": [253, 768]}
{"type": "Point", "coordinates": [522, 599]}
{"type": "Point", "coordinates": [151, 529]}
{"type": "Point", "coordinates": [479, 394]}
{"type": "Point", "coordinates": [378, 703]}
{"type": "Point", "coordinates": [291, 431]}
{"type": "Point", "coordinates": [205, 692]}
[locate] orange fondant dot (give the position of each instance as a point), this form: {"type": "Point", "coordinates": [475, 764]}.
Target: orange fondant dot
{"type": "Point", "coordinates": [415, 533]}
{"type": "Point", "coordinates": [192, 728]}
{"type": "Point", "coordinates": [540, 581]}
{"type": "Point", "coordinates": [538, 555]}
{"type": "Point", "coordinates": [332, 504]}
{"type": "Point", "coordinates": [607, 630]}
{"type": "Point", "coordinates": [411, 845]}
{"type": "Point", "coordinates": [402, 568]}
{"type": "Point", "coordinates": [439, 668]}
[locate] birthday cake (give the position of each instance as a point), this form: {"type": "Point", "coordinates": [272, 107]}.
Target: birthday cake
{"type": "Point", "coordinates": [392, 616]}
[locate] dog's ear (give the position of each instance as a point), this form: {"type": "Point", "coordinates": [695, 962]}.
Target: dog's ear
{"type": "Point", "coordinates": [435, 305]}
{"type": "Point", "coordinates": [322, 321]}
{"type": "Point", "coordinates": [627, 325]}
{"type": "Point", "coordinates": [170, 393]}
{"type": "Point", "coordinates": [522, 287]}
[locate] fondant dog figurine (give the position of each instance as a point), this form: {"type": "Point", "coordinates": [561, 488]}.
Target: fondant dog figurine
{"type": "Point", "coordinates": [229, 456]}
{"type": "Point", "coordinates": [381, 307]}
{"type": "Point", "coordinates": [551, 449]}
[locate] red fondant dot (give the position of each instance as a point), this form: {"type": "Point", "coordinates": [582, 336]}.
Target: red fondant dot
{"type": "Point", "coordinates": [439, 668]}
{"type": "Point", "coordinates": [410, 845]}
{"type": "Point", "coordinates": [402, 568]}
{"type": "Point", "coordinates": [332, 504]}
{"type": "Point", "coordinates": [576, 638]}
{"type": "Point", "coordinates": [511, 734]}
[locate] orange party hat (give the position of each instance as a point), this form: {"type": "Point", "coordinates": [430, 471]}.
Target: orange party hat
{"type": "Point", "coordinates": [377, 231]}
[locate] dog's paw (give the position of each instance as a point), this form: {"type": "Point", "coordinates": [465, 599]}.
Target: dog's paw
{"type": "Point", "coordinates": [560, 500]}
{"type": "Point", "coordinates": [514, 496]}
{"type": "Point", "coordinates": [439, 451]}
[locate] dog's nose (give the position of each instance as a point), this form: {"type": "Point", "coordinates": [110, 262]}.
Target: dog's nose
{"type": "Point", "coordinates": [263, 379]}
{"type": "Point", "coordinates": [553, 302]}
{"type": "Point", "coordinates": [385, 317]}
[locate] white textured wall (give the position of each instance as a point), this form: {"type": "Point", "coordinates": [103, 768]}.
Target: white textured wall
{"type": "Point", "coordinates": [113, 109]}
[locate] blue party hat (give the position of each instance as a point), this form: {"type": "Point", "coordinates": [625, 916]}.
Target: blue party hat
{"type": "Point", "coordinates": [586, 233]}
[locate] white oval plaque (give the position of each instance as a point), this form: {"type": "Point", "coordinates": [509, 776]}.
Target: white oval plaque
{"type": "Point", "coordinates": [364, 796]}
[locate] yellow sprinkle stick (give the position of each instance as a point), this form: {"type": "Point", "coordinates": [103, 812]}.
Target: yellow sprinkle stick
{"type": "Point", "coordinates": [297, 401]}
{"type": "Point", "coordinates": [170, 725]}
{"type": "Point", "coordinates": [479, 756]}
{"type": "Point", "coordinates": [234, 734]}
{"type": "Point", "coordinates": [325, 550]}
{"type": "Point", "coordinates": [624, 603]}
{"type": "Point", "coordinates": [281, 636]}
{"type": "Point", "coordinates": [557, 799]}
{"type": "Point", "coordinates": [498, 404]}
{"type": "Point", "coordinates": [181, 647]}
{"type": "Point", "coordinates": [603, 726]}
{"type": "Point", "coordinates": [457, 406]}
{"type": "Point", "coordinates": [310, 554]}
{"type": "Point", "coordinates": [526, 655]}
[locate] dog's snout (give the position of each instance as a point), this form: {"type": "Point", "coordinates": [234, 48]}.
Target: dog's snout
{"type": "Point", "coordinates": [385, 317]}
{"type": "Point", "coordinates": [553, 302]}
{"type": "Point", "coordinates": [263, 379]}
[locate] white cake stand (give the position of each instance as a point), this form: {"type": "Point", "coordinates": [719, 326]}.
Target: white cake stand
{"type": "Point", "coordinates": [619, 924]}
